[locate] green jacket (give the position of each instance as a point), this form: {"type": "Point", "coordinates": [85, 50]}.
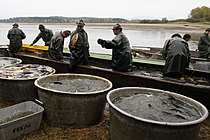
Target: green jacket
{"type": "Point", "coordinates": [81, 48]}
{"type": "Point", "coordinates": [46, 36]}
{"type": "Point", "coordinates": [15, 35]}
{"type": "Point", "coordinates": [203, 45]}
{"type": "Point", "coordinates": [121, 52]}
{"type": "Point", "coordinates": [177, 55]}
{"type": "Point", "coordinates": [55, 50]}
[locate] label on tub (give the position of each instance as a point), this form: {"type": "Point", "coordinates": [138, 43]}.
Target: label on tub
{"type": "Point", "coordinates": [21, 128]}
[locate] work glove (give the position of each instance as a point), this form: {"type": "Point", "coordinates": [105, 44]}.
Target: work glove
{"type": "Point", "coordinates": [101, 42]}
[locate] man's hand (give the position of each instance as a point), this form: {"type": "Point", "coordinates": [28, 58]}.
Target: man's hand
{"type": "Point", "coordinates": [101, 42]}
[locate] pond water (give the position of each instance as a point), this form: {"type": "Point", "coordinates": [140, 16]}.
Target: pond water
{"type": "Point", "coordinates": [137, 36]}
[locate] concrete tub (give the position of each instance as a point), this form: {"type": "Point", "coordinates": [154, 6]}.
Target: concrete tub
{"type": "Point", "coordinates": [125, 126]}
{"type": "Point", "coordinates": [72, 109]}
{"type": "Point", "coordinates": [17, 90]}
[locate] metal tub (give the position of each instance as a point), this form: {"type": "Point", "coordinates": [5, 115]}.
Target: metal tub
{"type": "Point", "coordinates": [17, 90]}
{"type": "Point", "coordinates": [125, 126]}
{"type": "Point", "coordinates": [4, 50]}
{"type": "Point", "coordinates": [72, 109]}
{"type": "Point", "coordinates": [8, 61]}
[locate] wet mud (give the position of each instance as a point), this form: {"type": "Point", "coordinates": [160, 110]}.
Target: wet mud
{"type": "Point", "coordinates": [157, 107]}
{"type": "Point", "coordinates": [76, 85]}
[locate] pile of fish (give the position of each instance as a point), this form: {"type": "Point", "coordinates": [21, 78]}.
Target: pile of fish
{"type": "Point", "coordinates": [25, 71]}
{"type": "Point", "coordinates": [159, 74]}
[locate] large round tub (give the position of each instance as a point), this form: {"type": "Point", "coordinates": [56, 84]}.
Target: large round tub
{"type": "Point", "coordinates": [124, 125]}
{"type": "Point", "coordinates": [77, 105]}
{"type": "Point", "coordinates": [17, 81]}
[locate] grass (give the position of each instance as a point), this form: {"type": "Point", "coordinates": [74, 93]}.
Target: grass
{"type": "Point", "coordinates": [100, 131]}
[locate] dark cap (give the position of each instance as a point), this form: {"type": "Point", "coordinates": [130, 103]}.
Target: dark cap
{"type": "Point", "coordinates": [41, 26]}
{"type": "Point", "coordinates": [80, 23]}
{"type": "Point", "coordinates": [67, 33]}
{"type": "Point", "coordinates": [15, 25]}
{"type": "Point", "coordinates": [117, 26]}
{"type": "Point", "coordinates": [208, 29]}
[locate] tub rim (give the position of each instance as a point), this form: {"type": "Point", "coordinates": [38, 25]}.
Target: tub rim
{"type": "Point", "coordinates": [25, 79]}
{"type": "Point", "coordinates": [203, 117]}
{"type": "Point", "coordinates": [73, 93]}
{"type": "Point", "coordinates": [19, 61]}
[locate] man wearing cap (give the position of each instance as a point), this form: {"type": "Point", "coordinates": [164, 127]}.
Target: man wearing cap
{"type": "Point", "coordinates": [45, 34]}
{"type": "Point", "coordinates": [15, 35]}
{"type": "Point", "coordinates": [121, 51]}
{"type": "Point", "coordinates": [55, 50]}
{"type": "Point", "coordinates": [79, 46]}
{"type": "Point", "coordinates": [204, 45]}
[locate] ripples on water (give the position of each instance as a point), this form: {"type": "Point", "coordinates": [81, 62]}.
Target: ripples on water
{"type": "Point", "coordinates": [157, 107]}
{"type": "Point", "coordinates": [76, 85]}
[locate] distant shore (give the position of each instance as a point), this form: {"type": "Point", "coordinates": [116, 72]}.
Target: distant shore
{"type": "Point", "coordinates": [169, 26]}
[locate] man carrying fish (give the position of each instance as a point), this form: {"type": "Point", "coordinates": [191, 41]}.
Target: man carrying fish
{"type": "Point", "coordinates": [177, 55]}
{"type": "Point", "coordinates": [15, 36]}
{"type": "Point", "coordinates": [204, 45]}
{"type": "Point", "coordinates": [121, 51]}
{"type": "Point", "coordinates": [45, 34]}
{"type": "Point", "coordinates": [55, 50]}
{"type": "Point", "coordinates": [79, 46]}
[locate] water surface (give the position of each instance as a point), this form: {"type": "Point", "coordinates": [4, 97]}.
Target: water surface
{"type": "Point", "coordinates": [136, 36]}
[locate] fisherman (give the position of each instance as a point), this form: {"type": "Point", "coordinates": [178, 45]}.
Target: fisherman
{"type": "Point", "coordinates": [15, 35]}
{"type": "Point", "coordinates": [177, 55]}
{"type": "Point", "coordinates": [45, 34]}
{"type": "Point", "coordinates": [55, 50]}
{"type": "Point", "coordinates": [204, 45]}
{"type": "Point", "coordinates": [121, 51]}
{"type": "Point", "coordinates": [187, 37]}
{"type": "Point", "coordinates": [79, 46]}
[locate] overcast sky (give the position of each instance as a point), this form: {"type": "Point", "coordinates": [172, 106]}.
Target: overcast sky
{"type": "Point", "coordinates": [143, 9]}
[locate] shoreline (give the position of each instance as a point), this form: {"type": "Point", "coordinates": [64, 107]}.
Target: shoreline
{"type": "Point", "coordinates": [168, 26]}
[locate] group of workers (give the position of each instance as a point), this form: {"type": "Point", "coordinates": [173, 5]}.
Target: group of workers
{"type": "Point", "coordinates": [175, 51]}
{"type": "Point", "coordinates": [78, 45]}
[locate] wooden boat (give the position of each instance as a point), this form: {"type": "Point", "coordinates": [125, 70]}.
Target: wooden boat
{"type": "Point", "coordinates": [100, 66]}
{"type": "Point", "coordinates": [156, 53]}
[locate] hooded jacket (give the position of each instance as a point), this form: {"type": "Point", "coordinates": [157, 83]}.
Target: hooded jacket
{"type": "Point", "coordinates": [177, 55]}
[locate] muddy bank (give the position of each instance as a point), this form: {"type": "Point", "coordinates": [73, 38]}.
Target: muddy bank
{"type": "Point", "coordinates": [172, 26]}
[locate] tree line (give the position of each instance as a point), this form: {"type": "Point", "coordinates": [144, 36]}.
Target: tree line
{"type": "Point", "coordinates": [199, 14]}
{"type": "Point", "coordinates": [57, 19]}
